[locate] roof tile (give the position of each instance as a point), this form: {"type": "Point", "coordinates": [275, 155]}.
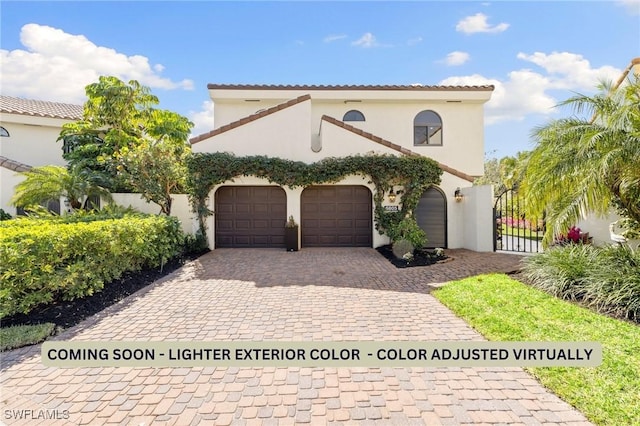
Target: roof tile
{"type": "Point", "coordinates": [412, 87]}
{"type": "Point", "coordinates": [11, 105]}
{"type": "Point", "coordinates": [13, 165]}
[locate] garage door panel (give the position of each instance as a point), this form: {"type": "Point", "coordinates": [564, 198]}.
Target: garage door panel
{"type": "Point", "coordinates": [259, 224]}
{"type": "Point", "coordinates": [336, 216]}
{"type": "Point", "coordinates": [345, 191]}
{"type": "Point", "coordinates": [327, 224]}
{"type": "Point", "coordinates": [431, 215]}
{"type": "Point", "coordinates": [362, 223]}
{"type": "Point", "coordinates": [325, 208]}
{"type": "Point", "coordinates": [250, 216]}
{"type": "Point", "coordinates": [345, 208]}
{"type": "Point", "coordinates": [344, 223]}
{"type": "Point", "coordinates": [242, 224]}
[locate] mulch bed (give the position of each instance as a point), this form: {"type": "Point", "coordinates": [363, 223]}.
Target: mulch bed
{"type": "Point", "coordinates": [67, 314]}
{"type": "Point", "coordinates": [421, 257]}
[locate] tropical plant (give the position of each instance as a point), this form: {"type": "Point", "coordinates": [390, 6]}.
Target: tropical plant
{"type": "Point", "coordinates": [52, 182]}
{"type": "Point", "coordinates": [504, 173]}
{"type": "Point", "coordinates": [586, 165]}
{"type": "Point", "coordinates": [123, 136]}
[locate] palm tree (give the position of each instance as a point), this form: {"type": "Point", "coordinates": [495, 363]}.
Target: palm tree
{"type": "Point", "coordinates": [582, 166]}
{"type": "Point", "coordinates": [52, 182]}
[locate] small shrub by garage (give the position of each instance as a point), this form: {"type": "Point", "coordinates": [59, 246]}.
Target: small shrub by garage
{"type": "Point", "coordinates": [42, 261]}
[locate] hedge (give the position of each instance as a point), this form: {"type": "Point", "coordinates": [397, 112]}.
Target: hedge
{"type": "Point", "coordinates": [44, 261]}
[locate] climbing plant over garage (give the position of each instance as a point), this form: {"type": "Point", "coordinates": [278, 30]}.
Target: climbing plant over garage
{"type": "Point", "coordinates": [414, 173]}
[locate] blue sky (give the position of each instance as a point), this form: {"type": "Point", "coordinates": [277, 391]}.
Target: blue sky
{"type": "Point", "coordinates": [535, 53]}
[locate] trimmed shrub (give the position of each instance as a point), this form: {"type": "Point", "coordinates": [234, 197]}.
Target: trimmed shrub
{"type": "Point", "coordinates": [605, 279]}
{"type": "Point", "coordinates": [613, 283]}
{"type": "Point", "coordinates": [560, 270]}
{"type": "Point", "coordinates": [42, 261]}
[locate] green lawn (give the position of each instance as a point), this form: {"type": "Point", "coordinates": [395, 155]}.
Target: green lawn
{"type": "Point", "coordinates": [504, 309]}
{"type": "Point", "coordinates": [23, 335]}
{"type": "Point", "coordinates": [522, 233]}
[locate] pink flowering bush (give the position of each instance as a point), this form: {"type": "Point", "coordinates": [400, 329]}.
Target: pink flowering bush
{"type": "Point", "coordinates": [573, 236]}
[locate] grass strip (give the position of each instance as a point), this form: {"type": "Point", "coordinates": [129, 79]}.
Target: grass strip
{"type": "Point", "coordinates": [503, 309]}
{"type": "Point", "coordinates": [22, 335]}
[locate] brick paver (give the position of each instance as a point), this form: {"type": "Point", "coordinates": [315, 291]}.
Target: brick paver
{"type": "Point", "coordinates": [314, 294]}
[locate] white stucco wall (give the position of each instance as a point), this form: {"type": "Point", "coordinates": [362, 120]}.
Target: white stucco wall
{"type": "Point", "coordinates": [284, 134]}
{"type": "Point", "coordinates": [598, 227]}
{"type": "Point", "coordinates": [32, 140]}
{"type": "Point", "coordinates": [477, 215]}
{"type": "Point", "coordinates": [8, 180]}
{"type": "Point", "coordinates": [180, 208]}
{"type": "Point", "coordinates": [390, 119]}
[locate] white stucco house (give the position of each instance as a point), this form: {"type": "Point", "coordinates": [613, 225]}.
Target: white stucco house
{"type": "Point", "coordinates": [29, 130]}
{"type": "Point", "coordinates": [308, 123]}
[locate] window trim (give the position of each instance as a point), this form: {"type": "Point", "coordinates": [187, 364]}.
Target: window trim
{"type": "Point", "coordinates": [425, 125]}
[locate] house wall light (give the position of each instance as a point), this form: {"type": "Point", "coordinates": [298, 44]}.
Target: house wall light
{"type": "Point", "coordinates": [392, 196]}
{"type": "Point", "coordinates": [458, 195]}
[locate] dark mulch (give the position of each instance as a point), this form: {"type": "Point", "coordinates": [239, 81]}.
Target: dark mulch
{"type": "Point", "coordinates": [421, 257]}
{"type": "Point", "coordinates": [67, 314]}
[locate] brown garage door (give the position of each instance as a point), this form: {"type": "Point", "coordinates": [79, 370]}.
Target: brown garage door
{"type": "Point", "coordinates": [431, 215]}
{"type": "Point", "coordinates": [336, 216]}
{"type": "Point", "coordinates": [250, 216]}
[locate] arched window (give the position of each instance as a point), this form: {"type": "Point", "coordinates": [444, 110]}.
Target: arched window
{"type": "Point", "coordinates": [353, 115]}
{"type": "Point", "coordinates": [3, 132]}
{"type": "Point", "coordinates": [427, 129]}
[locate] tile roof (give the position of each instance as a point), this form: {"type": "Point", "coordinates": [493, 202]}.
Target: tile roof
{"type": "Point", "coordinates": [412, 87]}
{"type": "Point", "coordinates": [11, 105]}
{"type": "Point", "coordinates": [393, 146]}
{"type": "Point", "coordinates": [249, 119]}
{"type": "Point", "coordinates": [13, 165]}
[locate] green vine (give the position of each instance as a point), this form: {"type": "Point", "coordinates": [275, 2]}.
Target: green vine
{"type": "Point", "coordinates": [414, 173]}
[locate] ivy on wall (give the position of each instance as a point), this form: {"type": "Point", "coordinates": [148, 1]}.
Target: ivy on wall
{"type": "Point", "coordinates": [414, 173]}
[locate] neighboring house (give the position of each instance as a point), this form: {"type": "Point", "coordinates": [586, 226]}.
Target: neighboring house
{"type": "Point", "coordinates": [309, 123]}
{"type": "Point", "coordinates": [28, 134]}
{"type": "Point", "coordinates": [29, 130]}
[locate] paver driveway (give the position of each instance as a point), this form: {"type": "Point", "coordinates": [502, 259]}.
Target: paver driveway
{"type": "Point", "coordinates": [314, 294]}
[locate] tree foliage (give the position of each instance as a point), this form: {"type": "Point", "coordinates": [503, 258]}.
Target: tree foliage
{"type": "Point", "coordinates": [504, 173]}
{"type": "Point", "coordinates": [126, 139]}
{"type": "Point", "coordinates": [52, 182]}
{"type": "Point", "coordinates": [586, 165]}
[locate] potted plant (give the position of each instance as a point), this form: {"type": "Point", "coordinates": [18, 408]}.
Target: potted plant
{"type": "Point", "coordinates": [291, 234]}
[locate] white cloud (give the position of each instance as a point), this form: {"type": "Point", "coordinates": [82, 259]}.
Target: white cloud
{"type": "Point", "coordinates": [203, 119]}
{"type": "Point", "coordinates": [632, 6]}
{"type": "Point", "coordinates": [571, 71]}
{"type": "Point", "coordinates": [414, 41]}
{"type": "Point", "coordinates": [456, 58]}
{"type": "Point", "coordinates": [526, 92]}
{"type": "Point", "coordinates": [57, 66]}
{"type": "Point", "coordinates": [334, 37]}
{"type": "Point", "coordinates": [478, 24]}
{"type": "Point", "coordinates": [367, 40]}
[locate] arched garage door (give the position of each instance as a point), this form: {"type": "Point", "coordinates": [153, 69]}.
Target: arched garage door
{"type": "Point", "coordinates": [250, 216]}
{"type": "Point", "coordinates": [431, 215]}
{"type": "Point", "coordinates": [336, 216]}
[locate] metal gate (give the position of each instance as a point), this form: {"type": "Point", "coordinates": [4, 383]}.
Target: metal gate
{"type": "Point", "coordinates": [512, 230]}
